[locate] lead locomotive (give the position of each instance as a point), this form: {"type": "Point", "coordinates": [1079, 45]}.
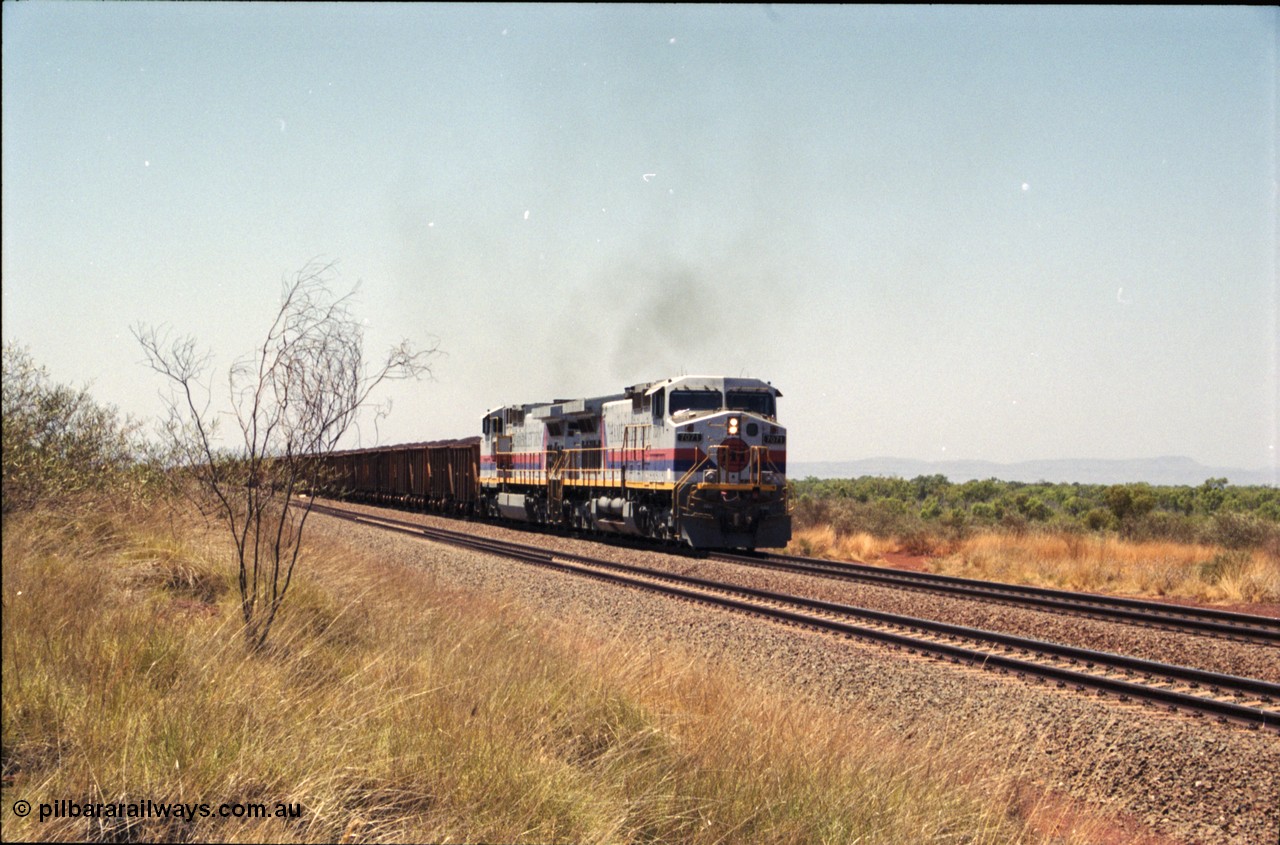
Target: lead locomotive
{"type": "Point", "coordinates": [698, 459]}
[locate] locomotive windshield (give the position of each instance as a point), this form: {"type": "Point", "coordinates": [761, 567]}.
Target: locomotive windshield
{"type": "Point", "coordinates": [695, 400]}
{"type": "Point", "coordinates": [753, 402]}
{"type": "Point", "coordinates": [758, 402]}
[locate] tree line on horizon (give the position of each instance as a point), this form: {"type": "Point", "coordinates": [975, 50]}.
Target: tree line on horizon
{"type": "Point", "coordinates": [1214, 512]}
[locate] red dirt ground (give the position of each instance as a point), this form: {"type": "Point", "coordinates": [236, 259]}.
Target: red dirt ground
{"type": "Point", "coordinates": [912, 563]}
{"type": "Point", "coordinates": [1052, 814]}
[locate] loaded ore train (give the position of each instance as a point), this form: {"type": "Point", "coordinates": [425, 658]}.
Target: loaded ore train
{"type": "Point", "coordinates": [699, 460]}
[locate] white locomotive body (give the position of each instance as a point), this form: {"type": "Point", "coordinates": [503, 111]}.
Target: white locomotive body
{"type": "Point", "coordinates": [699, 459]}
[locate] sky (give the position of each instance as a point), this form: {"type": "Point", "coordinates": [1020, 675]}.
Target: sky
{"type": "Point", "coordinates": [943, 233]}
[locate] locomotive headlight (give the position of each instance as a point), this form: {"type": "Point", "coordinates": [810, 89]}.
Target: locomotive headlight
{"type": "Point", "coordinates": [733, 426]}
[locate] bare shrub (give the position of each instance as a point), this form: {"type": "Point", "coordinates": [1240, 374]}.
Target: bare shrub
{"type": "Point", "coordinates": [292, 400]}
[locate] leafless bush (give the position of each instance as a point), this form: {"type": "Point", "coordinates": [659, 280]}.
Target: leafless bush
{"type": "Point", "coordinates": [291, 400]}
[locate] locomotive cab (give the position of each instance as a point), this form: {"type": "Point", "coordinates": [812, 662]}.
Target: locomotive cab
{"type": "Point", "coordinates": [726, 436]}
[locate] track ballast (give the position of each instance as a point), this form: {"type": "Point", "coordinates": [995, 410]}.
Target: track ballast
{"type": "Point", "coordinates": [1251, 702]}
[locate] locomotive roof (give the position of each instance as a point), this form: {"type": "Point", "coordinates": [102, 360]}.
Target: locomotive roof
{"type": "Point", "coordinates": [571, 407]}
{"type": "Point", "coordinates": [707, 383]}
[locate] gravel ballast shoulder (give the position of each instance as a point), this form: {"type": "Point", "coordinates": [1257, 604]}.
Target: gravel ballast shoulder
{"type": "Point", "coordinates": [1187, 778]}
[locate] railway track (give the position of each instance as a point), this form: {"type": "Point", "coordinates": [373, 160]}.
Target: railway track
{"type": "Point", "coordinates": [1247, 701]}
{"type": "Point", "coordinates": [1241, 627]}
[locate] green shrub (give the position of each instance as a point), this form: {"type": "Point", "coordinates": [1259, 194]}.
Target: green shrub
{"type": "Point", "coordinates": [58, 443]}
{"type": "Point", "coordinates": [1239, 531]}
{"type": "Point", "coordinates": [1075, 505]}
{"type": "Point", "coordinates": [986, 512]}
{"type": "Point", "coordinates": [932, 508]}
{"type": "Point", "coordinates": [1014, 522]}
{"type": "Point", "coordinates": [1160, 525]}
{"type": "Point", "coordinates": [1129, 500]}
{"type": "Point", "coordinates": [1033, 508]}
{"type": "Point", "coordinates": [956, 519]}
{"type": "Point", "coordinates": [1223, 566]}
{"type": "Point", "coordinates": [1214, 512]}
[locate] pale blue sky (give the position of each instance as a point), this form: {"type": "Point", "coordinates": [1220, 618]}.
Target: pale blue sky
{"type": "Point", "coordinates": [985, 233]}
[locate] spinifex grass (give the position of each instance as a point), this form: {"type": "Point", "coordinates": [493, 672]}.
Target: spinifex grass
{"type": "Point", "coordinates": [1098, 563]}
{"type": "Point", "coordinates": [393, 708]}
{"type": "Point", "coordinates": [825, 541]}
{"type": "Point", "coordinates": [1109, 565]}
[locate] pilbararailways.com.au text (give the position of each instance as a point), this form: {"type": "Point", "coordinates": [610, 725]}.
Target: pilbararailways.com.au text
{"type": "Point", "coordinates": [149, 809]}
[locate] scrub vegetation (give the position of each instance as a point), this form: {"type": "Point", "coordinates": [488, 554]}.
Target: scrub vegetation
{"type": "Point", "coordinates": [393, 708]}
{"type": "Point", "coordinates": [389, 706]}
{"type": "Point", "coordinates": [58, 442]}
{"type": "Point", "coordinates": [1214, 542]}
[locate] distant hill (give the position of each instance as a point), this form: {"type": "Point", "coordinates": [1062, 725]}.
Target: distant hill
{"type": "Point", "coordinates": [1165, 470]}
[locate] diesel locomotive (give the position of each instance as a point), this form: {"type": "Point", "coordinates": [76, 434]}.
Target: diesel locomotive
{"type": "Point", "coordinates": [699, 460]}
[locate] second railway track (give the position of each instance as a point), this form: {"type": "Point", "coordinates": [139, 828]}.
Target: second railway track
{"type": "Point", "coordinates": [1246, 701]}
{"type": "Point", "coordinates": [1241, 627]}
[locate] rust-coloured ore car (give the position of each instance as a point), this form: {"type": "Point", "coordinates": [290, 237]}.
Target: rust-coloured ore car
{"type": "Point", "coordinates": [437, 476]}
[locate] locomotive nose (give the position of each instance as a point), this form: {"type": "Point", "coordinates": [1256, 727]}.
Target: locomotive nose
{"type": "Point", "coordinates": [736, 454]}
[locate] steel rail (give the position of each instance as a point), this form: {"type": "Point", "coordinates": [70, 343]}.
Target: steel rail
{"type": "Point", "coordinates": [1239, 626]}
{"type": "Point", "coordinates": [585, 565]}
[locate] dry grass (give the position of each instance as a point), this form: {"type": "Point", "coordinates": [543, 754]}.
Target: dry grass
{"type": "Point", "coordinates": [1090, 563]}
{"type": "Point", "coordinates": [1109, 565]}
{"type": "Point", "coordinates": [395, 709]}
{"type": "Point", "coordinates": [825, 542]}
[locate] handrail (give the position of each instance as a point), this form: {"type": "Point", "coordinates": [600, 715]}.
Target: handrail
{"type": "Point", "coordinates": [567, 462]}
{"type": "Point", "coordinates": [704, 457]}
